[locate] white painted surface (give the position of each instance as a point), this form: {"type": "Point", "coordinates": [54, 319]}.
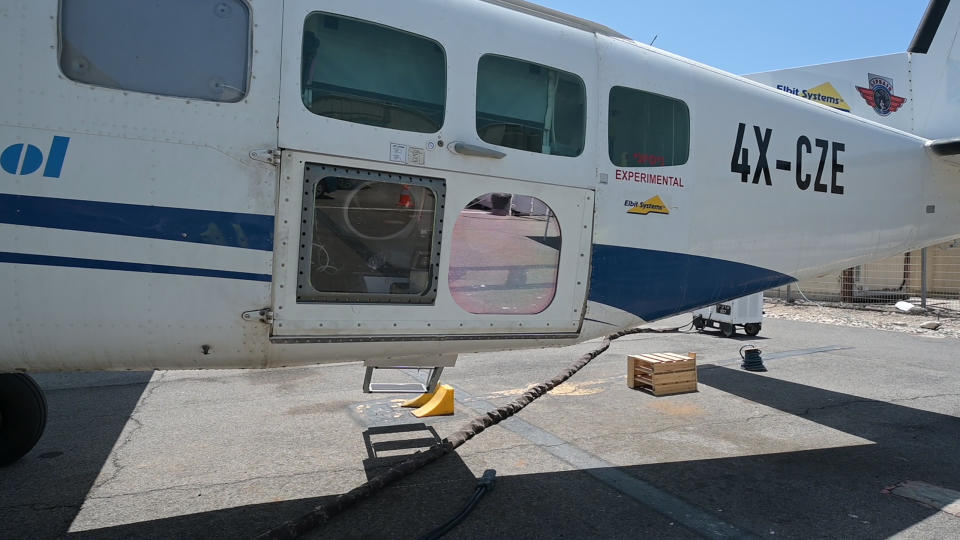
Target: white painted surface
{"type": "Point", "coordinates": [748, 309]}
{"type": "Point", "coordinates": [133, 148]}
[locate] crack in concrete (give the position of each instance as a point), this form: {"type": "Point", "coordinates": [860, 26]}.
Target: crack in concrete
{"type": "Point", "coordinates": [868, 401]}
{"type": "Point", "coordinates": [194, 487]}
{"type": "Point", "coordinates": [155, 385]}
{"type": "Point", "coordinates": [492, 450]}
{"type": "Point", "coordinates": [662, 430]}
{"type": "Point", "coordinates": [779, 414]}
{"type": "Point", "coordinates": [153, 382]}
{"type": "Point", "coordinates": [39, 507]}
{"type": "Point", "coordinates": [137, 426]}
{"type": "Point", "coordinates": [930, 396]}
{"type": "Point", "coordinates": [74, 389]}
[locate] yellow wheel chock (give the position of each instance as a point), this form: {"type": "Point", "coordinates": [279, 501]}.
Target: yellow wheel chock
{"type": "Point", "coordinates": [438, 403]}
{"type": "Point", "coordinates": [420, 400]}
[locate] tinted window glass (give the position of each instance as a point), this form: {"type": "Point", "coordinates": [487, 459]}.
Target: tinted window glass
{"type": "Point", "coordinates": [505, 255]}
{"type": "Point", "coordinates": [368, 237]}
{"type": "Point", "coordinates": [186, 48]}
{"type": "Point", "coordinates": [530, 107]}
{"type": "Point", "coordinates": [647, 130]}
{"type": "Point", "coordinates": [370, 74]}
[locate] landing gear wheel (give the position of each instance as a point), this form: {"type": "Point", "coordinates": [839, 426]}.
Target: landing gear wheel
{"type": "Point", "coordinates": [23, 415]}
{"type": "Point", "coordinates": [698, 322]}
{"type": "Point", "coordinates": [752, 329]}
{"type": "Point", "coordinates": [727, 329]}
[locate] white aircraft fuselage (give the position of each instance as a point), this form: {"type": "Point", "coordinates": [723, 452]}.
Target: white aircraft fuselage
{"type": "Point", "coordinates": [142, 230]}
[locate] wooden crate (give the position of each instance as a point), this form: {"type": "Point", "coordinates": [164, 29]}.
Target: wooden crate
{"type": "Point", "coordinates": [662, 374]}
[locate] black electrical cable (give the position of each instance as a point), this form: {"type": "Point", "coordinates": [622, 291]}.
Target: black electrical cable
{"type": "Point", "coordinates": [484, 485]}
{"type": "Point", "coordinates": [323, 513]}
{"type": "Point", "coordinates": [752, 361]}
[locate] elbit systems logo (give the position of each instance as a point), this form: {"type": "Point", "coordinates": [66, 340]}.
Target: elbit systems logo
{"type": "Point", "coordinates": [26, 159]}
{"type": "Point", "coordinates": [653, 205]}
{"type": "Point", "coordinates": [825, 94]}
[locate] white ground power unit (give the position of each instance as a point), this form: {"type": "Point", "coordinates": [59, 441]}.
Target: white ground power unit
{"type": "Point", "coordinates": [746, 312]}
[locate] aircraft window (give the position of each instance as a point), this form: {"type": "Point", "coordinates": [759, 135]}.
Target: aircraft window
{"type": "Point", "coordinates": [647, 130]}
{"type": "Point", "coordinates": [370, 74]}
{"type": "Point", "coordinates": [185, 48]}
{"type": "Point", "coordinates": [369, 236]}
{"type": "Point", "coordinates": [505, 255]}
{"type": "Point", "coordinates": [530, 107]}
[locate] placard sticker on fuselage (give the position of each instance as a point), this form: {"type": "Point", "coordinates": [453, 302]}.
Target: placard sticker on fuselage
{"type": "Point", "coordinates": [398, 153]}
{"type": "Point", "coordinates": [416, 156]}
{"type": "Point", "coordinates": [412, 155]}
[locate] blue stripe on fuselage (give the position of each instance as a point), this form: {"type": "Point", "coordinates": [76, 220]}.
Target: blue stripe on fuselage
{"type": "Point", "coordinates": [656, 284]}
{"type": "Point", "coordinates": [231, 229]}
{"type": "Point", "coordinates": [73, 262]}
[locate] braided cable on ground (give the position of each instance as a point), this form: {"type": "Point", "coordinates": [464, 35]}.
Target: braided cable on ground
{"type": "Point", "coordinates": [320, 515]}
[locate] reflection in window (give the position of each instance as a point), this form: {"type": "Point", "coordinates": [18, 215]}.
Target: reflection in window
{"type": "Point", "coordinates": [370, 74]}
{"type": "Point", "coordinates": [505, 255]}
{"type": "Point", "coordinates": [185, 48]}
{"type": "Point", "coordinates": [530, 107]}
{"type": "Point", "coordinates": [372, 237]}
{"type": "Point", "coordinates": [647, 130]}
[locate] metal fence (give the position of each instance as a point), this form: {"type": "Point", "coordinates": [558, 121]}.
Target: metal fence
{"type": "Point", "coordinates": [928, 278]}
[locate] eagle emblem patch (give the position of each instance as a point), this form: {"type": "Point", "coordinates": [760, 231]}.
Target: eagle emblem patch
{"type": "Point", "coordinates": [879, 95]}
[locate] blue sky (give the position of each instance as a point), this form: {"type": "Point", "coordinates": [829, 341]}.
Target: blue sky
{"type": "Point", "coordinates": [747, 36]}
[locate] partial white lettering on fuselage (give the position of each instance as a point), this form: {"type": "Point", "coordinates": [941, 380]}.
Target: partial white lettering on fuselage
{"type": "Point", "coordinates": [378, 219]}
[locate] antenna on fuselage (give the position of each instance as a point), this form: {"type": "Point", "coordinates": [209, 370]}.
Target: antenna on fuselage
{"type": "Point", "coordinates": [654, 39]}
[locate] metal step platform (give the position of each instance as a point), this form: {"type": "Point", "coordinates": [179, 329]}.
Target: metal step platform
{"type": "Point", "coordinates": [370, 387]}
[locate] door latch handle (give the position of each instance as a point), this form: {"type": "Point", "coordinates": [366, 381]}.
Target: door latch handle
{"type": "Point", "coordinates": [467, 149]}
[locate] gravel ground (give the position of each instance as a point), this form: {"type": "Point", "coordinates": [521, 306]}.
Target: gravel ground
{"type": "Point", "coordinates": [881, 317]}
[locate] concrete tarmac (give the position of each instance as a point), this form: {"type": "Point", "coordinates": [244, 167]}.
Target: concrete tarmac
{"type": "Point", "coordinates": [819, 446]}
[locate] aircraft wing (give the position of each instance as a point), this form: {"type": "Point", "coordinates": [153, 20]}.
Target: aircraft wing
{"type": "Point", "coordinates": [948, 149]}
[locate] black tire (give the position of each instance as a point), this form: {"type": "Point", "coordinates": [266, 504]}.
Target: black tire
{"type": "Point", "coordinates": [727, 329]}
{"type": "Point", "coordinates": [698, 322]}
{"type": "Point", "coordinates": [23, 415]}
{"type": "Point", "coordinates": [751, 329]}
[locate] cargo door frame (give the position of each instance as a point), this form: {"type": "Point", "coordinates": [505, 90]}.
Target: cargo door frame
{"type": "Point", "coordinates": [441, 319]}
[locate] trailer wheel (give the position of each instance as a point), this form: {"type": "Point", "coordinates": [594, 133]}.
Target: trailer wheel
{"type": "Point", "coordinates": [23, 415]}
{"type": "Point", "coordinates": [727, 329]}
{"type": "Point", "coordinates": [751, 329]}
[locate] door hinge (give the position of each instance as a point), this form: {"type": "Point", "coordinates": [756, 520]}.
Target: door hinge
{"type": "Point", "coordinates": [263, 315]}
{"type": "Point", "coordinates": [269, 155]}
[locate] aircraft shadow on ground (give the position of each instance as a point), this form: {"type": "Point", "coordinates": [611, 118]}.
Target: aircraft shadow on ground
{"type": "Point", "coordinates": [829, 492]}
{"type": "Point", "coordinates": [739, 336]}
{"type": "Point", "coordinates": [390, 445]}
{"type": "Point", "coordinates": [41, 494]}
